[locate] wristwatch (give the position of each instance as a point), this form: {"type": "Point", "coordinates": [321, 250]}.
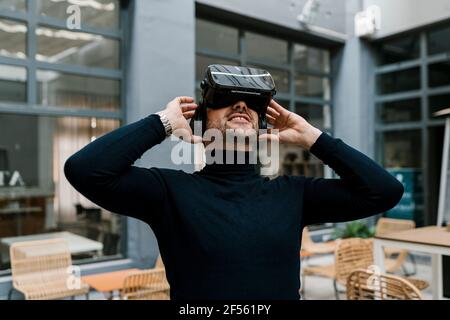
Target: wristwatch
{"type": "Point", "coordinates": [166, 123]}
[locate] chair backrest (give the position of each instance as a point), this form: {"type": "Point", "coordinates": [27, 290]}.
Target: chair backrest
{"type": "Point", "coordinates": [146, 285]}
{"type": "Point", "coordinates": [40, 262]}
{"type": "Point", "coordinates": [388, 225]}
{"type": "Point", "coordinates": [306, 237]}
{"type": "Point", "coordinates": [364, 285]}
{"type": "Point", "coordinates": [159, 263]}
{"type": "Point", "coordinates": [351, 254]}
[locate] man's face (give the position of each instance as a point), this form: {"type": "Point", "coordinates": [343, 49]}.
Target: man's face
{"type": "Point", "coordinates": [235, 117]}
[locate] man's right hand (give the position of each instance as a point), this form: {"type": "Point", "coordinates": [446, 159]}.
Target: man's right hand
{"type": "Point", "coordinates": [179, 111]}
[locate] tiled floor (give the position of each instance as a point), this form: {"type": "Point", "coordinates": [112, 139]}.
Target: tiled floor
{"type": "Point", "coordinates": [317, 288]}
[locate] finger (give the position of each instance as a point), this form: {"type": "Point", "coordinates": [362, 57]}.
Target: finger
{"type": "Point", "coordinates": [196, 139]}
{"type": "Point", "coordinates": [269, 137]}
{"type": "Point", "coordinates": [273, 104]}
{"type": "Point", "coordinates": [188, 114]}
{"type": "Point", "coordinates": [272, 112]}
{"type": "Point", "coordinates": [189, 107]}
{"type": "Point", "coordinates": [270, 119]}
{"type": "Point", "coordinates": [184, 99]}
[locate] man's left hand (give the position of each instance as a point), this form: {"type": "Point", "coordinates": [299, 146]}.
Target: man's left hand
{"type": "Point", "coordinates": [292, 128]}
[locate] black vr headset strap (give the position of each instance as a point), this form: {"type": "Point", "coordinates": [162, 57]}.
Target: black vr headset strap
{"type": "Point", "coordinates": [262, 121]}
{"type": "Point", "coordinates": [199, 115]}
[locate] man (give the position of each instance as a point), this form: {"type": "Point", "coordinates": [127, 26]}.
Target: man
{"type": "Point", "coordinates": [226, 232]}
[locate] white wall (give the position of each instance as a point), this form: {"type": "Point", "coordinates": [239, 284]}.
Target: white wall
{"type": "Point", "coordinates": [331, 14]}
{"type": "Point", "coordinates": [401, 15]}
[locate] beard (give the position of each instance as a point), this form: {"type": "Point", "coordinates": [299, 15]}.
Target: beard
{"type": "Point", "coordinates": [223, 126]}
{"type": "Point", "coordinates": [233, 138]}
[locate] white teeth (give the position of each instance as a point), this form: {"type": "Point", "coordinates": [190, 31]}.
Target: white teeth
{"type": "Point", "coordinates": [239, 118]}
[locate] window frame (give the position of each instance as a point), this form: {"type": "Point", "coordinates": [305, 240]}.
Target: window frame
{"type": "Point", "coordinates": [424, 92]}
{"type": "Point", "coordinates": [289, 67]}
{"type": "Point", "coordinates": [32, 19]}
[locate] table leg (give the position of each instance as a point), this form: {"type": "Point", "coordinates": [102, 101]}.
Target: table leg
{"type": "Point", "coordinates": [378, 253]}
{"type": "Point", "coordinates": [436, 280]}
{"type": "Point", "coordinates": [113, 294]}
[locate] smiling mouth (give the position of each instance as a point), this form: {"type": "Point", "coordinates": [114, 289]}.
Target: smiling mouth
{"type": "Point", "coordinates": [239, 118]}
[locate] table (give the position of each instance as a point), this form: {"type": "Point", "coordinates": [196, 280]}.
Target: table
{"type": "Point", "coordinates": [18, 212]}
{"type": "Point", "coordinates": [77, 244]}
{"type": "Point", "coordinates": [108, 282]}
{"type": "Point", "coordinates": [432, 240]}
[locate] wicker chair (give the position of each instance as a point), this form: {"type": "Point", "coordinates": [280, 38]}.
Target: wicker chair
{"type": "Point", "coordinates": [364, 285]}
{"type": "Point", "coordinates": [147, 285]}
{"type": "Point", "coordinates": [350, 254]}
{"type": "Point", "coordinates": [41, 270]}
{"type": "Point", "coordinates": [387, 225]}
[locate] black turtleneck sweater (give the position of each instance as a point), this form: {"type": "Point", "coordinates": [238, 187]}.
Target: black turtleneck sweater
{"type": "Point", "coordinates": [226, 232]}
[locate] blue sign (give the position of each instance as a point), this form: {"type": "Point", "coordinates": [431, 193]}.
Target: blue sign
{"type": "Point", "coordinates": [411, 205]}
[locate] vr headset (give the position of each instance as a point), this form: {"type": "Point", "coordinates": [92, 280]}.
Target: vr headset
{"type": "Point", "coordinates": [225, 85]}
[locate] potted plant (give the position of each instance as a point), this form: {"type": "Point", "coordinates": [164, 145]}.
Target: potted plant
{"type": "Point", "coordinates": [355, 229]}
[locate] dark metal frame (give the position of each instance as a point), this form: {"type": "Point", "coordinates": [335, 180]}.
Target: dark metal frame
{"type": "Point", "coordinates": [423, 93]}
{"type": "Point", "coordinates": [32, 20]}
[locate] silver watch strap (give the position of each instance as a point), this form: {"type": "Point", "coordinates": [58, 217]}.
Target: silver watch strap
{"type": "Point", "coordinates": [166, 123]}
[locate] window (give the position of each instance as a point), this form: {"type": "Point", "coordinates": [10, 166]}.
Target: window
{"type": "Point", "coordinates": [438, 41]}
{"type": "Point", "coordinates": [439, 74]}
{"type": "Point", "coordinates": [59, 90]}
{"type": "Point", "coordinates": [402, 149]}
{"type": "Point", "coordinates": [316, 114]}
{"type": "Point", "coordinates": [309, 58]}
{"type": "Point", "coordinates": [12, 39]}
{"type": "Point", "coordinates": [399, 50]}
{"type": "Point", "coordinates": [400, 111]}
{"type": "Point", "coordinates": [13, 5]}
{"type": "Point", "coordinates": [77, 48]}
{"type": "Point", "coordinates": [260, 47]}
{"type": "Point", "coordinates": [102, 14]}
{"type": "Point", "coordinates": [312, 86]}
{"type": "Point", "coordinates": [404, 80]}
{"type": "Point", "coordinates": [13, 84]}
{"type": "Point", "coordinates": [74, 91]}
{"type": "Point", "coordinates": [217, 37]}
{"type": "Point", "coordinates": [34, 149]}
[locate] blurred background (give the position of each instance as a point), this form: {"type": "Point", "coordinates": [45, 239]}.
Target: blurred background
{"type": "Point", "coordinates": [371, 72]}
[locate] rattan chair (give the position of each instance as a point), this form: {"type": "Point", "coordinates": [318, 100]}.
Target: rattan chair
{"type": "Point", "coordinates": [147, 285]}
{"type": "Point", "coordinates": [388, 225]}
{"type": "Point", "coordinates": [41, 270]}
{"type": "Point", "coordinates": [350, 255]}
{"type": "Point", "coordinates": [365, 285]}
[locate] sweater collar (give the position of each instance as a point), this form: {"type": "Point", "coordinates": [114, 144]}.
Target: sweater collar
{"type": "Point", "coordinates": [231, 163]}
